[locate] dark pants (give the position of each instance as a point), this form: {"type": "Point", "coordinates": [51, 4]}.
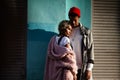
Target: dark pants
{"type": "Point", "coordinates": [78, 74]}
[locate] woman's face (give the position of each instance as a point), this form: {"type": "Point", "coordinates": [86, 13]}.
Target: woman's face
{"type": "Point", "coordinates": [68, 30]}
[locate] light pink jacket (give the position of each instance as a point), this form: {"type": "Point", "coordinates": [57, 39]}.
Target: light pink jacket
{"type": "Point", "coordinates": [60, 63]}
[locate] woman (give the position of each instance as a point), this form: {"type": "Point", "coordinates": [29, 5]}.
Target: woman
{"type": "Point", "coordinates": [61, 60]}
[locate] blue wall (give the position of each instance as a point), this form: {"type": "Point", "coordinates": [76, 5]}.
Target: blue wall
{"type": "Point", "coordinates": [43, 19]}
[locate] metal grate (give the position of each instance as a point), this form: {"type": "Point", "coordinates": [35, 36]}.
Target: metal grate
{"type": "Point", "coordinates": [106, 34]}
{"type": "Point", "coordinates": [13, 40]}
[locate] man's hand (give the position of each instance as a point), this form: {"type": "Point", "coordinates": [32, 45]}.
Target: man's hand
{"type": "Point", "coordinates": [88, 74]}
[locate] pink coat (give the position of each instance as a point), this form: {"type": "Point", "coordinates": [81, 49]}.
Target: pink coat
{"type": "Point", "coordinates": [60, 63]}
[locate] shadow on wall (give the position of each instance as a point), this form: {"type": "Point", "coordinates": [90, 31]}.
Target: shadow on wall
{"type": "Point", "coordinates": [37, 43]}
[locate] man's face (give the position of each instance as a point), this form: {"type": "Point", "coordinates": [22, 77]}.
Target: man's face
{"type": "Point", "coordinates": [74, 20]}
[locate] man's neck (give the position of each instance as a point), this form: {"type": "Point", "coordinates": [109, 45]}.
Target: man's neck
{"type": "Point", "coordinates": [76, 26]}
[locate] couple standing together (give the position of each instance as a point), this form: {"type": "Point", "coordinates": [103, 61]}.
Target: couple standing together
{"type": "Point", "coordinates": [70, 54]}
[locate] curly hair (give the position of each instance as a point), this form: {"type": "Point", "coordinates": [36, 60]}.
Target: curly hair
{"type": "Point", "coordinates": [63, 25]}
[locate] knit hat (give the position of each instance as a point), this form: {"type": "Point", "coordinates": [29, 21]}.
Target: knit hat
{"type": "Point", "coordinates": [74, 10]}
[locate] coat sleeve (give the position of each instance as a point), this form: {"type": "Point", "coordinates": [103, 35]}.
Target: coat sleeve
{"type": "Point", "coordinates": [90, 51]}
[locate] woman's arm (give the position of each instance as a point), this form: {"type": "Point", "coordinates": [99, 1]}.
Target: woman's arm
{"type": "Point", "coordinates": [68, 46]}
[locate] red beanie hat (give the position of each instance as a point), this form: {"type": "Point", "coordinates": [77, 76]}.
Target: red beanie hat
{"type": "Point", "coordinates": [74, 10]}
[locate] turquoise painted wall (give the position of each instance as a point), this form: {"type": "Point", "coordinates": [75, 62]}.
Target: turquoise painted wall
{"type": "Point", "coordinates": [43, 19]}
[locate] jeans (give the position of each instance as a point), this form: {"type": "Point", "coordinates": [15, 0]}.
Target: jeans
{"type": "Point", "coordinates": [78, 74]}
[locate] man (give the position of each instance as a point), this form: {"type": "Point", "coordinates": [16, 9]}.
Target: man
{"type": "Point", "coordinates": [82, 43]}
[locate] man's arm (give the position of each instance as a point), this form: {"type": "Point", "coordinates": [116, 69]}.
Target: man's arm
{"type": "Point", "coordinates": [90, 55]}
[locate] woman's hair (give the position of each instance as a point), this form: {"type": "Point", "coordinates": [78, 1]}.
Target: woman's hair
{"type": "Point", "coordinates": [63, 25]}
